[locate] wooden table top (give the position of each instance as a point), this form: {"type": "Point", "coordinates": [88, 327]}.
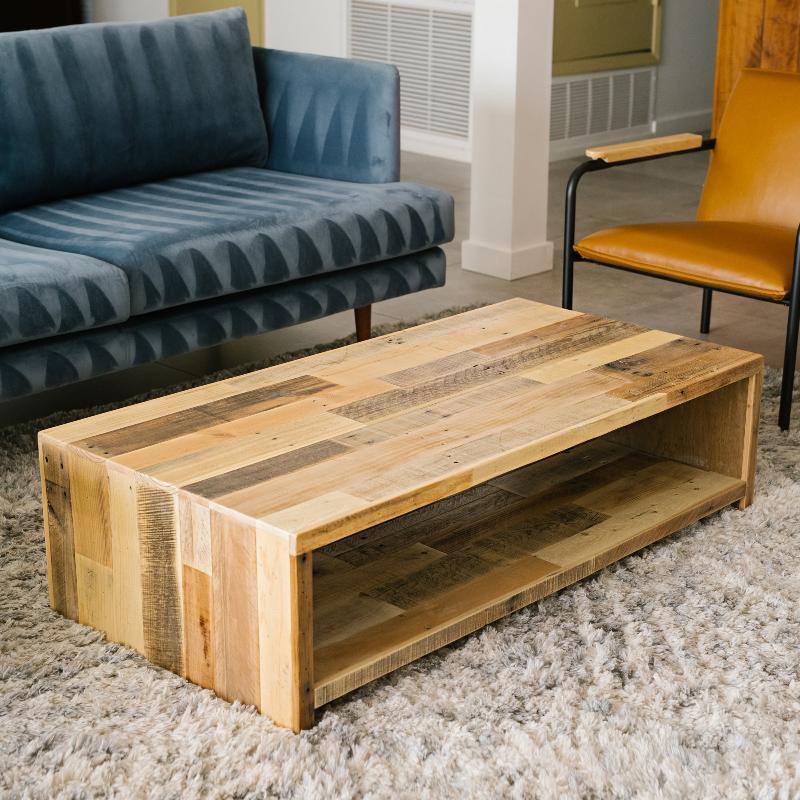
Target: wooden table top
{"type": "Point", "coordinates": [318, 448]}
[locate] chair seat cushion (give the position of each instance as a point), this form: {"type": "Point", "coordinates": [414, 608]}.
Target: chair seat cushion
{"type": "Point", "coordinates": [216, 233]}
{"type": "Point", "coordinates": [753, 259]}
{"type": "Point", "coordinates": [45, 293]}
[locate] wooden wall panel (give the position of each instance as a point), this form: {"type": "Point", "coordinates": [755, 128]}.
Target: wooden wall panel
{"type": "Point", "coordinates": [754, 33]}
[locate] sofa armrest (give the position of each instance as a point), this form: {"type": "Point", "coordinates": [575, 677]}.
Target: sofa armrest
{"type": "Point", "coordinates": [330, 117]}
{"type": "Point", "coordinates": [644, 148]}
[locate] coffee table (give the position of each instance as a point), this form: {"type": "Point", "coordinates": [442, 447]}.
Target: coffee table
{"type": "Point", "coordinates": [288, 535]}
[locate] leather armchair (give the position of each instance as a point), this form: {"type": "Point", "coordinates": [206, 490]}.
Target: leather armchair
{"type": "Point", "coordinates": [745, 239]}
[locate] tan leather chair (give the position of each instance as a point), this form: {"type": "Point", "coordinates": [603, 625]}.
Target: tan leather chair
{"type": "Point", "coordinates": [745, 238]}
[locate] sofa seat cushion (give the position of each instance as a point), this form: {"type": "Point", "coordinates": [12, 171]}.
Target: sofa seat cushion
{"type": "Point", "coordinates": [45, 293]}
{"type": "Point", "coordinates": [216, 233]}
{"type": "Point", "coordinates": [37, 366]}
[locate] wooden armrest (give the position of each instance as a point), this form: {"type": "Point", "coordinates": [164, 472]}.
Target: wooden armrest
{"type": "Point", "coordinates": [646, 147]}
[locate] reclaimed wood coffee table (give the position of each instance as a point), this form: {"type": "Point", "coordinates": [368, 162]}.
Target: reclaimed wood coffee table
{"type": "Point", "coordinates": [288, 535]}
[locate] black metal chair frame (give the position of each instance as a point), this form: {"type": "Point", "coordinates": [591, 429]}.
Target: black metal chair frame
{"type": "Point", "coordinates": [792, 300]}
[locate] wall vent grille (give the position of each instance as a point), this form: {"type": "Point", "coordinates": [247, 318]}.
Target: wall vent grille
{"type": "Point", "coordinates": [431, 46]}
{"type": "Point", "coordinates": [591, 104]}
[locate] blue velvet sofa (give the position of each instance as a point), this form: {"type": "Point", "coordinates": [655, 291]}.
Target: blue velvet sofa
{"type": "Point", "coordinates": [166, 187]}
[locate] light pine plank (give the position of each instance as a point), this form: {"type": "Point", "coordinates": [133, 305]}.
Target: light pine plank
{"type": "Point", "coordinates": [88, 482]}
{"type": "Point", "coordinates": [285, 634]}
{"type": "Point", "coordinates": [660, 145]}
{"type": "Point", "coordinates": [198, 625]}
{"type": "Point", "coordinates": [125, 560]}
{"type": "Point", "coordinates": [95, 594]}
{"type": "Point", "coordinates": [235, 610]}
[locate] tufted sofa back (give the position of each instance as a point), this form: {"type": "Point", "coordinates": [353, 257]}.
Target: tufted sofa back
{"type": "Point", "coordinates": [93, 107]}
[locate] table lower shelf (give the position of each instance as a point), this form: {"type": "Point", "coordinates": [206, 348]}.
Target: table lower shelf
{"type": "Point", "coordinates": [400, 590]}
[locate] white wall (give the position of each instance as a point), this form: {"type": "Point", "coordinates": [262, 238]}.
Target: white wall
{"type": "Point", "coordinates": [309, 26]}
{"type": "Point", "coordinates": [685, 82]}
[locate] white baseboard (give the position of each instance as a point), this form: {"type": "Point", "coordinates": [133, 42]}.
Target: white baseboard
{"type": "Point", "coordinates": [431, 144]}
{"type": "Point", "coordinates": [508, 264]}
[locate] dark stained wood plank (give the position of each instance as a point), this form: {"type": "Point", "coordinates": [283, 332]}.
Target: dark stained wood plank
{"type": "Point", "coordinates": [161, 604]}
{"type": "Point", "coordinates": [170, 426]}
{"type": "Point", "coordinates": [423, 524]}
{"type": "Point", "coordinates": [61, 576]}
{"type": "Point", "coordinates": [592, 335]}
{"type": "Point", "coordinates": [663, 368]}
{"type": "Point", "coordinates": [265, 470]}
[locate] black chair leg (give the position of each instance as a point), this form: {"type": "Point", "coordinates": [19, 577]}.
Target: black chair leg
{"type": "Point", "coordinates": [789, 363]}
{"type": "Point", "coordinates": [566, 289]}
{"type": "Point", "coordinates": [705, 314]}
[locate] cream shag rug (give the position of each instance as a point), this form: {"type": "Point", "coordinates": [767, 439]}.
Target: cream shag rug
{"type": "Point", "coordinates": [673, 674]}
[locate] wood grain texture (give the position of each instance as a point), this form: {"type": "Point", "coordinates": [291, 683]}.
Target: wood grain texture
{"type": "Point", "coordinates": [157, 523]}
{"type": "Point", "coordinates": [596, 504]}
{"type": "Point", "coordinates": [59, 537]}
{"type": "Point", "coordinates": [285, 634]}
{"type": "Point", "coordinates": [284, 536]}
{"type": "Point", "coordinates": [235, 629]}
{"type": "Point", "coordinates": [660, 145]}
{"type": "Point", "coordinates": [754, 33]}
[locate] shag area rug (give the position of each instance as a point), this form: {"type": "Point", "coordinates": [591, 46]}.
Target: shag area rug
{"type": "Point", "coordinates": [673, 674]}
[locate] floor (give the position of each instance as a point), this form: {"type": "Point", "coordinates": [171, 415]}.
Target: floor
{"type": "Point", "coordinates": [661, 190]}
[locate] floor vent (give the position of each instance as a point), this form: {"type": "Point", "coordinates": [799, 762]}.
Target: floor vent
{"type": "Point", "coordinates": [586, 105]}
{"type": "Point", "coordinates": [431, 46]}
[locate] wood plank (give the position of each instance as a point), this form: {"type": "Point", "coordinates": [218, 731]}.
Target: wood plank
{"type": "Point", "coordinates": [91, 524]}
{"type": "Point", "coordinates": [159, 553]}
{"type": "Point", "coordinates": [59, 536]}
{"type": "Point", "coordinates": [95, 594]}
{"type": "Point", "coordinates": [195, 533]}
{"type": "Point", "coordinates": [198, 626]}
{"type": "Point", "coordinates": [740, 35]}
{"type": "Point", "coordinates": [162, 429]}
{"type": "Point", "coordinates": [660, 145]}
{"type": "Point", "coordinates": [285, 614]}
{"type": "Point", "coordinates": [266, 469]}
{"type": "Point", "coordinates": [125, 560]}
{"type": "Point", "coordinates": [235, 610]}
{"type": "Point", "coordinates": [715, 432]}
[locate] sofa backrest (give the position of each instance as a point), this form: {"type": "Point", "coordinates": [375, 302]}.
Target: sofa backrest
{"type": "Point", "coordinates": [91, 107]}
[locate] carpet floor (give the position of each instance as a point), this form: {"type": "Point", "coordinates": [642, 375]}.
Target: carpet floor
{"type": "Point", "coordinates": [672, 674]}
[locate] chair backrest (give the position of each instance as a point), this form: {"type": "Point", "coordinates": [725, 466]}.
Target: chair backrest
{"type": "Point", "coordinates": [754, 175]}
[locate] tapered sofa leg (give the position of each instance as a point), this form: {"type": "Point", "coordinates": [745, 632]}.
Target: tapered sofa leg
{"type": "Point", "coordinates": [363, 323]}
{"type": "Point", "coordinates": [705, 314]}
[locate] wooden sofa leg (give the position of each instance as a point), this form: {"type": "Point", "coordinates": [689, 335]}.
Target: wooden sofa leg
{"type": "Point", "coordinates": [363, 323]}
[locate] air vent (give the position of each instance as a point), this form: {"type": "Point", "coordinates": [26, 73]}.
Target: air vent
{"type": "Point", "coordinates": [593, 104]}
{"type": "Point", "coordinates": [431, 46]}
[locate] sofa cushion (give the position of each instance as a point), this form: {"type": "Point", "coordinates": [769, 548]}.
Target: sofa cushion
{"type": "Point", "coordinates": [216, 233]}
{"type": "Point", "coordinates": [91, 107]}
{"type": "Point", "coordinates": [45, 365]}
{"type": "Point", "coordinates": [44, 293]}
